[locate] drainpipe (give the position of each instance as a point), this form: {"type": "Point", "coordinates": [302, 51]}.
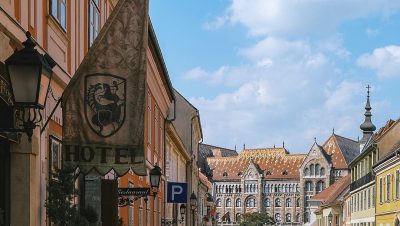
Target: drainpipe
{"type": "Point", "coordinates": [166, 122]}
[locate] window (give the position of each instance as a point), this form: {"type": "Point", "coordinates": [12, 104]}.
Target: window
{"type": "Point", "coordinates": [369, 198]}
{"type": "Point", "coordinates": [285, 173]}
{"type": "Point", "coordinates": [225, 174]}
{"type": "Point", "coordinates": [322, 173]}
{"type": "Point", "coordinates": [94, 20]}
{"type": "Point", "coordinates": [320, 186]}
{"type": "Point", "coordinates": [55, 152]}
{"type": "Point", "coordinates": [298, 202]}
{"type": "Point", "coordinates": [317, 170]}
{"type": "Point", "coordinates": [219, 203]}
{"type": "Point", "coordinates": [306, 172]}
{"type": "Point", "coordinates": [238, 203]}
{"type": "Point", "coordinates": [228, 203]}
{"type": "Point", "coordinates": [306, 217]}
{"type": "Point", "coordinates": [288, 202]}
{"type": "Point", "coordinates": [217, 216]}
{"type": "Point", "coordinates": [238, 217]}
{"type": "Point", "coordinates": [397, 184]}
{"type": "Point", "coordinates": [58, 11]}
{"type": "Point", "coordinates": [309, 186]}
{"type": "Point", "coordinates": [278, 217]}
{"type": "Point", "coordinates": [277, 202]}
{"type": "Point", "coordinates": [388, 187]}
{"type": "Point", "coordinates": [251, 202]}
{"type": "Point", "coordinates": [131, 209]}
{"type": "Point", "coordinates": [380, 190]}
{"type": "Point", "coordinates": [267, 202]}
{"type": "Point", "coordinates": [148, 119]}
{"type": "Point", "coordinates": [298, 217]}
{"type": "Point", "coordinates": [312, 170]}
{"type": "Point", "coordinates": [156, 114]}
{"type": "Point", "coordinates": [288, 217]}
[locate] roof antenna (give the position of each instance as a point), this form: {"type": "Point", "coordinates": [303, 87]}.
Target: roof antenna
{"type": "Point", "coordinates": [315, 139]}
{"type": "Point", "coordinates": [333, 130]}
{"type": "Point", "coordinates": [283, 144]}
{"type": "Point", "coordinates": [244, 146]}
{"type": "Point", "coordinates": [235, 147]}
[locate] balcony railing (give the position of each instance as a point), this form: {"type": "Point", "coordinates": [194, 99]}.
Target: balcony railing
{"type": "Point", "coordinates": [362, 181]}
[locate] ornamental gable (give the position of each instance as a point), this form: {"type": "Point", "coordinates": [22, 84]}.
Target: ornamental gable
{"type": "Point", "coordinates": [252, 173]}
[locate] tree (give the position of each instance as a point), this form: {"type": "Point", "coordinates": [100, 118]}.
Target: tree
{"type": "Point", "coordinates": [60, 206]}
{"type": "Point", "coordinates": [256, 219]}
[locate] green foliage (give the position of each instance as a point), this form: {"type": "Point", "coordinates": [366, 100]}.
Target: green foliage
{"type": "Point", "coordinates": [60, 206]}
{"type": "Point", "coordinates": [256, 219]}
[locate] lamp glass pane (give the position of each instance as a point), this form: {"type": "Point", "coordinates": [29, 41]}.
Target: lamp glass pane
{"type": "Point", "coordinates": [24, 81]}
{"type": "Point", "coordinates": [154, 180]}
{"type": "Point", "coordinates": [44, 85]}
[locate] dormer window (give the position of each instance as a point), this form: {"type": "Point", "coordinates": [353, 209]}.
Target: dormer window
{"type": "Point", "coordinates": [285, 173]}
{"type": "Point", "coordinates": [240, 174]}
{"type": "Point", "coordinates": [268, 173]}
{"type": "Point", "coordinates": [225, 174]}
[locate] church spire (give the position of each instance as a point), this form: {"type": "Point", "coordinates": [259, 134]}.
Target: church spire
{"type": "Point", "coordinates": [367, 126]}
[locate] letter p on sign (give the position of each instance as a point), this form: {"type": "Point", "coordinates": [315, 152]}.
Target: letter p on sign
{"type": "Point", "coordinates": [177, 192]}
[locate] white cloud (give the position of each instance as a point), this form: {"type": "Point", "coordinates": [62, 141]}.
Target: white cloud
{"type": "Point", "coordinates": [384, 61]}
{"type": "Point", "coordinates": [216, 23]}
{"type": "Point", "coordinates": [277, 17]}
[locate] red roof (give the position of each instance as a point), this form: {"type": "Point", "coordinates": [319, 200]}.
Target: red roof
{"type": "Point", "coordinates": [331, 193]}
{"type": "Point", "coordinates": [273, 163]}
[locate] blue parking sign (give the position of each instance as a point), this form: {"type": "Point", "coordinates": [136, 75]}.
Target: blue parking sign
{"type": "Point", "coordinates": [176, 192]}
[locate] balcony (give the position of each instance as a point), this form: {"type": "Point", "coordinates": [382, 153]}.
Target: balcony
{"type": "Point", "coordinates": [362, 181]}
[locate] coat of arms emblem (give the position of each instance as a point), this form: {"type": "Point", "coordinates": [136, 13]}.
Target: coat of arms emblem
{"type": "Point", "coordinates": [105, 103]}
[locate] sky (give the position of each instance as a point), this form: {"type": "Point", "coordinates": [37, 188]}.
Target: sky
{"type": "Point", "coordinates": [264, 72]}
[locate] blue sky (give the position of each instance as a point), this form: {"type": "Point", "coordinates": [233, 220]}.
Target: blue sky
{"type": "Point", "coordinates": [266, 71]}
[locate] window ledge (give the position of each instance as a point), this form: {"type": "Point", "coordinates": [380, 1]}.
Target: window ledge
{"type": "Point", "coordinates": [58, 29]}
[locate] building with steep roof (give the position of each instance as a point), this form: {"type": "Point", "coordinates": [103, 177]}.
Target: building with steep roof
{"type": "Point", "coordinates": [331, 201]}
{"type": "Point", "coordinates": [323, 166]}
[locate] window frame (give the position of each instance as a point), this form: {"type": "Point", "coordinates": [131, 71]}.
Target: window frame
{"type": "Point", "coordinates": [96, 6]}
{"type": "Point", "coordinates": [54, 140]}
{"type": "Point", "coordinates": [58, 16]}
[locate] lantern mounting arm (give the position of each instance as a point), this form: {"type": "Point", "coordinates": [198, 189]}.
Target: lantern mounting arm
{"type": "Point", "coordinates": [50, 116]}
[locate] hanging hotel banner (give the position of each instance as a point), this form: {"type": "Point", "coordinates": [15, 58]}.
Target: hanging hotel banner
{"type": "Point", "coordinates": [104, 104]}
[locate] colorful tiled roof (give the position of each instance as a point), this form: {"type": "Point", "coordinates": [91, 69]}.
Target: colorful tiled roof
{"type": "Point", "coordinates": [341, 150]}
{"type": "Point", "coordinates": [273, 163]}
{"type": "Point", "coordinates": [331, 193]}
{"type": "Point", "coordinates": [206, 150]}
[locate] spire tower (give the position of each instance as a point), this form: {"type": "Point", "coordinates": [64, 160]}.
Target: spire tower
{"type": "Point", "coordinates": [367, 126]}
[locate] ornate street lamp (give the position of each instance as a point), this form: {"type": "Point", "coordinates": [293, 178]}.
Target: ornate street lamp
{"type": "Point", "coordinates": [330, 216]}
{"type": "Point", "coordinates": [155, 177]}
{"type": "Point", "coordinates": [182, 210]}
{"type": "Point", "coordinates": [193, 205]}
{"type": "Point", "coordinates": [30, 76]}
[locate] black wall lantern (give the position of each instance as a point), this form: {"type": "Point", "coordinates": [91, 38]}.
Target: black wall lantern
{"type": "Point", "coordinates": [155, 176]}
{"type": "Point", "coordinates": [330, 216]}
{"type": "Point", "coordinates": [193, 205]}
{"type": "Point", "coordinates": [30, 75]}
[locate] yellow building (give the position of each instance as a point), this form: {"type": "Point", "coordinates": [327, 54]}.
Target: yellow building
{"type": "Point", "coordinates": [387, 171]}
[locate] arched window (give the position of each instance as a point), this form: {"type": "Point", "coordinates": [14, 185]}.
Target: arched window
{"type": "Point", "coordinates": [219, 203]}
{"type": "Point", "coordinates": [288, 202]}
{"type": "Point", "coordinates": [225, 174]}
{"type": "Point", "coordinates": [238, 217]}
{"type": "Point", "coordinates": [320, 186]}
{"type": "Point", "coordinates": [322, 173]}
{"type": "Point", "coordinates": [277, 202]}
{"type": "Point", "coordinates": [306, 172]}
{"type": "Point", "coordinates": [298, 217]}
{"type": "Point", "coordinates": [228, 203]}
{"type": "Point", "coordinates": [267, 202]}
{"type": "Point", "coordinates": [312, 170]}
{"type": "Point", "coordinates": [217, 216]}
{"type": "Point", "coordinates": [251, 202]}
{"type": "Point", "coordinates": [298, 202]}
{"type": "Point", "coordinates": [297, 188]}
{"type": "Point", "coordinates": [288, 217]}
{"type": "Point", "coordinates": [278, 217]}
{"type": "Point", "coordinates": [238, 203]}
{"type": "Point", "coordinates": [309, 186]}
{"type": "Point", "coordinates": [317, 169]}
